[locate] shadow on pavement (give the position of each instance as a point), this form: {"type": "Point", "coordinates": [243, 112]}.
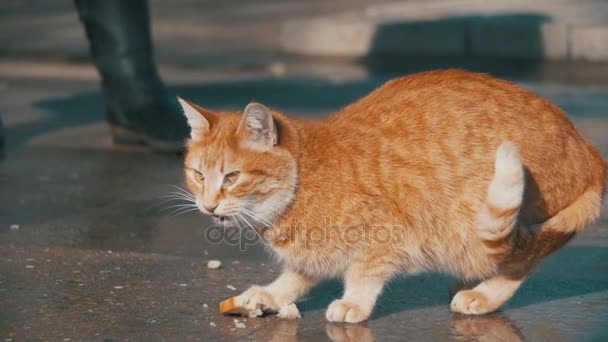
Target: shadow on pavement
{"type": "Point", "coordinates": [559, 277]}
{"type": "Point", "coordinates": [297, 96]}
{"type": "Point", "coordinates": [511, 44]}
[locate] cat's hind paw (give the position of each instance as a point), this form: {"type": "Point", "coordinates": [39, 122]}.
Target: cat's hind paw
{"type": "Point", "coordinates": [342, 311]}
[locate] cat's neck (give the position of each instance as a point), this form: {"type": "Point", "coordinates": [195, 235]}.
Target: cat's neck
{"type": "Point", "coordinates": [304, 139]}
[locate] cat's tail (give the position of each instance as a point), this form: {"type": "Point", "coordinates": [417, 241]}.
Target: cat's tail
{"type": "Point", "coordinates": [556, 231]}
{"type": "Point", "coordinates": [497, 218]}
{"type": "Point", "coordinates": [534, 243]}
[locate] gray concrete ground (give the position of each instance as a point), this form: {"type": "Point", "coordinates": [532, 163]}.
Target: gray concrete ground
{"type": "Point", "coordinates": [89, 250]}
{"type": "Point", "coordinates": [88, 253]}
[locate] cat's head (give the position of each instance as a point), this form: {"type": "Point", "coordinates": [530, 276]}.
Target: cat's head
{"type": "Point", "coordinates": [236, 165]}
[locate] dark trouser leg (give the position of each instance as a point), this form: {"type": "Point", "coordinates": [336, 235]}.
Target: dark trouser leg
{"type": "Point", "coordinates": [136, 99]}
{"type": "Point", "coordinates": [1, 138]}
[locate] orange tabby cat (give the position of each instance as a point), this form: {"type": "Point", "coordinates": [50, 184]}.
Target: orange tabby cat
{"type": "Point", "coordinates": [440, 171]}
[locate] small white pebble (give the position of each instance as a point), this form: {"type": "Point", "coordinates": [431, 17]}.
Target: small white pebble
{"type": "Point", "coordinates": [205, 252]}
{"type": "Point", "coordinates": [205, 305]}
{"type": "Point", "coordinates": [231, 287]}
{"type": "Point", "coordinates": [212, 324]}
{"type": "Point", "coordinates": [277, 69]}
{"type": "Point", "coordinates": [118, 287]}
{"type": "Point", "coordinates": [183, 284]}
{"type": "Point", "coordinates": [29, 266]}
{"type": "Point", "coordinates": [14, 227]}
{"type": "Point", "coordinates": [214, 264]}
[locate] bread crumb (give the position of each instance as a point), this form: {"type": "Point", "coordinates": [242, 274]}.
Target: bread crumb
{"type": "Point", "coordinates": [289, 311]}
{"type": "Point", "coordinates": [212, 324]}
{"type": "Point", "coordinates": [214, 264]}
{"type": "Point", "coordinates": [231, 287]}
{"type": "Point", "coordinates": [239, 324]}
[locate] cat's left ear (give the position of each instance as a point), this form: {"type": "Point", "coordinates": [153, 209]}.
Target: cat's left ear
{"type": "Point", "coordinates": [258, 128]}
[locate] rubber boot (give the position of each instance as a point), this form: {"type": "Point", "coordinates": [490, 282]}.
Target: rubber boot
{"type": "Point", "coordinates": [138, 105]}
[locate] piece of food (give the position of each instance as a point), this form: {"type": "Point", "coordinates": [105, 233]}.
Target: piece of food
{"type": "Point", "coordinates": [233, 305]}
{"type": "Point", "coordinates": [214, 264]}
{"type": "Point", "coordinates": [230, 306]}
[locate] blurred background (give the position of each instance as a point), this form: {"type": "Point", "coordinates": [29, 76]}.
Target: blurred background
{"type": "Point", "coordinates": [90, 248]}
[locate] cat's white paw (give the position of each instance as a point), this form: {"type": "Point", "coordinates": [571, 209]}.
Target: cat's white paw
{"type": "Point", "coordinates": [470, 302]}
{"type": "Point", "coordinates": [255, 300]}
{"type": "Point", "coordinates": [342, 311]}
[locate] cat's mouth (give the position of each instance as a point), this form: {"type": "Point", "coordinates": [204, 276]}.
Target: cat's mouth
{"type": "Point", "coordinates": [218, 218]}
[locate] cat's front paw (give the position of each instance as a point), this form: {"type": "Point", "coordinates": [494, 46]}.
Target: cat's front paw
{"type": "Point", "coordinates": [470, 302]}
{"type": "Point", "coordinates": [343, 311]}
{"type": "Point", "coordinates": [255, 300]}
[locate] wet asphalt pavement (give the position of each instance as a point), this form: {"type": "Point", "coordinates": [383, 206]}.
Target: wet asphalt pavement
{"type": "Point", "coordinates": [91, 250]}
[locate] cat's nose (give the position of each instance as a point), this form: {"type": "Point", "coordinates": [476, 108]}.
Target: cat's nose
{"type": "Point", "coordinates": [210, 209]}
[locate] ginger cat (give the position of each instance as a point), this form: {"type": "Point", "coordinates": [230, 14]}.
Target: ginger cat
{"type": "Point", "coordinates": [445, 171]}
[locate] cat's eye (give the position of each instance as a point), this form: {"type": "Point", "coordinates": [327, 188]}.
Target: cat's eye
{"type": "Point", "coordinates": [199, 176]}
{"type": "Point", "coordinates": [230, 178]}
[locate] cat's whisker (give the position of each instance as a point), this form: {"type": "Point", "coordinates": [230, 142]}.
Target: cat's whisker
{"type": "Point", "coordinates": [174, 200]}
{"type": "Point", "coordinates": [253, 228]}
{"type": "Point", "coordinates": [182, 191]}
{"type": "Point", "coordinates": [256, 218]}
{"type": "Point", "coordinates": [174, 197]}
{"type": "Point", "coordinates": [179, 199]}
{"type": "Point", "coordinates": [179, 206]}
{"type": "Point", "coordinates": [238, 223]}
{"type": "Point", "coordinates": [181, 211]}
{"type": "Point", "coordinates": [177, 196]}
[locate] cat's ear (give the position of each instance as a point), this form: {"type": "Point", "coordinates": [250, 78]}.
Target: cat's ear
{"type": "Point", "coordinates": [199, 119]}
{"type": "Point", "coordinates": [258, 128]}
